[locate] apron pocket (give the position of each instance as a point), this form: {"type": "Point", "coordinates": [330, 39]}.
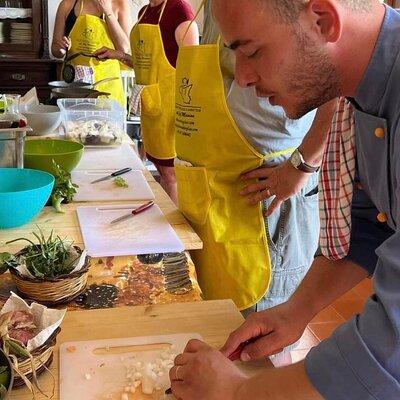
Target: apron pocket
{"type": "Point", "coordinates": [193, 193]}
{"type": "Point", "coordinates": [151, 100]}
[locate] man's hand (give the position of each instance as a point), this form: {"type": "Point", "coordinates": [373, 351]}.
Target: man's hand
{"type": "Point", "coordinates": [202, 372]}
{"type": "Point", "coordinates": [107, 53]}
{"type": "Point", "coordinates": [282, 182]}
{"type": "Point", "coordinates": [105, 6]}
{"type": "Point", "coordinates": [269, 332]}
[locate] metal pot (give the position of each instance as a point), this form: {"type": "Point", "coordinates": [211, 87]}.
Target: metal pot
{"type": "Point", "coordinates": [12, 143]}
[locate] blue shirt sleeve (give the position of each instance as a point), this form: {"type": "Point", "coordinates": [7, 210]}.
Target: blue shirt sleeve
{"type": "Point", "coordinates": [361, 360]}
{"type": "Point", "coordinates": [367, 233]}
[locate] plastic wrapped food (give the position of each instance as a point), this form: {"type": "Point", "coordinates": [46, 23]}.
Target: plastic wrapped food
{"type": "Point", "coordinates": [93, 122]}
{"type": "Point", "coordinates": [94, 132]}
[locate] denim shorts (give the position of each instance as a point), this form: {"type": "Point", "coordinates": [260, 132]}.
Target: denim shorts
{"type": "Point", "coordinates": [292, 233]}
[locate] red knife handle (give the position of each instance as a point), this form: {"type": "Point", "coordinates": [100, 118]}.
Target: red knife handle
{"type": "Point", "coordinates": [143, 208]}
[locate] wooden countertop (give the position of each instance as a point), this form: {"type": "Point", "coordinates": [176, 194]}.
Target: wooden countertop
{"type": "Point", "coordinates": [67, 224]}
{"type": "Point", "coordinates": [108, 270]}
{"type": "Point", "coordinates": [213, 320]}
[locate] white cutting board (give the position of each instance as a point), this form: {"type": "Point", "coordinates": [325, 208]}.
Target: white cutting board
{"type": "Point", "coordinates": [145, 233]}
{"type": "Point", "coordinates": [138, 188]}
{"type": "Point", "coordinates": [105, 360]}
{"type": "Point", "coordinates": [96, 158]}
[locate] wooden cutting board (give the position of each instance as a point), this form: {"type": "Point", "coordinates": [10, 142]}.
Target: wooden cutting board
{"type": "Point", "coordinates": [138, 188]}
{"type": "Point", "coordinates": [145, 233]}
{"type": "Point", "coordinates": [96, 158]}
{"type": "Point", "coordinates": [96, 370]}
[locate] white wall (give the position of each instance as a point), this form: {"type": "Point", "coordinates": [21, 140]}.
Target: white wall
{"type": "Point", "coordinates": [136, 5]}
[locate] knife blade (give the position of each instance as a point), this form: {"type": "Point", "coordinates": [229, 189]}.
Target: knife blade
{"type": "Point", "coordinates": [134, 212]}
{"type": "Point", "coordinates": [113, 175]}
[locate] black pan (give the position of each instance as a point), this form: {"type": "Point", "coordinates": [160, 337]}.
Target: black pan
{"type": "Point", "coordinates": [63, 84]}
{"type": "Point", "coordinates": [76, 93]}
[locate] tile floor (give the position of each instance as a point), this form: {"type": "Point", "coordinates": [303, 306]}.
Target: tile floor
{"type": "Point", "coordinates": [331, 317]}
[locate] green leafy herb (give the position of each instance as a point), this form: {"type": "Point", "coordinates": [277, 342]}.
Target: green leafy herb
{"type": "Point", "coordinates": [4, 257]}
{"type": "Point", "coordinates": [120, 182]}
{"type": "Point", "coordinates": [49, 258]}
{"type": "Point", "coordinates": [3, 392]}
{"type": "Point", "coordinates": [64, 189]}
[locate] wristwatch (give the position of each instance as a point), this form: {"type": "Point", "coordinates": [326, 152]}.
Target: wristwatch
{"type": "Point", "coordinates": [297, 160]}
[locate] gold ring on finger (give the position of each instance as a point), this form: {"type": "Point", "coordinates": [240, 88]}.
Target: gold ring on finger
{"type": "Point", "coordinates": [177, 374]}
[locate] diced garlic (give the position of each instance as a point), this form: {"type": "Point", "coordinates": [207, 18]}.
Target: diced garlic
{"type": "Point", "coordinates": [88, 376]}
{"type": "Point", "coordinates": [124, 396]}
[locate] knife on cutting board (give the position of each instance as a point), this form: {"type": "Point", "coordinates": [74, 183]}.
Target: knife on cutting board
{"type": "Point", "coordinates": [113, 175]}
{"type": "Point", "coordinates": [134, 212]}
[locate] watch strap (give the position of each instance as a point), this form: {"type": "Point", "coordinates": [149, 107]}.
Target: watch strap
{"type": "Point", "coordinates": [304, 167]}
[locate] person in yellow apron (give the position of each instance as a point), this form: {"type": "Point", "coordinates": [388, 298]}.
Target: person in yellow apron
{"type": "Point", "coordinates": [79, 29]}
{"type": "Point", "coordinates": [256, 261]}
{"type": "Point", "coordinates": [155, 71]}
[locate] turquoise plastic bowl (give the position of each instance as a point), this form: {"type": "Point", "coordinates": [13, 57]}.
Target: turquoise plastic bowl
{"type": "Point", "coordinates": [23, 194]}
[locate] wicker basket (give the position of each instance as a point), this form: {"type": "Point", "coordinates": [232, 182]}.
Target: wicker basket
{"type": "Point", "coordinates": [52, 291]}
{"type": "Point", "coordinates": [42, 358]}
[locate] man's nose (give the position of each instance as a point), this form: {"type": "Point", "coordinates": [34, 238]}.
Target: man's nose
{"type": "Point", "coordinates": [245, 76]}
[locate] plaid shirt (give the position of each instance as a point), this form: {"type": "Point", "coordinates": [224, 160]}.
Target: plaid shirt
{"type": "Point", "coordinates": [336, 183]}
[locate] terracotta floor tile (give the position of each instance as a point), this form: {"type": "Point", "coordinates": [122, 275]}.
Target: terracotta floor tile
{"type": "Point", "coordinates": [298, 355]}
{"type": "Point", "coordinates": [365, 288]}
{"type": "Point", "coordinates": [307, 341]}
{"type": "Point", "coordinates": [324, 330]}
{"type": "Point", "coordinates": [327, 315]}
{"type": "Point", "coordinates": [349, 305]}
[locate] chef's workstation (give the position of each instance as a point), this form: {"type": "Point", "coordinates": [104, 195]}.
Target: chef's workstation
{"type": "Point", "coordinates": [84, 226]}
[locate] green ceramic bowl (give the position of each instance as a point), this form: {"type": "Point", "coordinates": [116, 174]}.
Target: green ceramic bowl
{"type": "Point", "coordinates": [40, 153]}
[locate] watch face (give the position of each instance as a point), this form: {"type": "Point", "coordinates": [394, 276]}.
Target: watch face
{"type": "Point", "coordinates": [296, 160]}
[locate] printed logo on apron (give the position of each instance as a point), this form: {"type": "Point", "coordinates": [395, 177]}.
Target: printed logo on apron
{"type": "Point", "coordinates": [185, 89]}
{"type": "Point", "coordinates": [186, 112]}
{"type": "Point", "coordinates": [143, 57]}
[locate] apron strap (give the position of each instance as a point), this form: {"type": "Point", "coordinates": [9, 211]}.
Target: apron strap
{"type": "Point", "coordinates": [201, 6]}
{"type": "Point", "coordinates": [162, 11]}
{"type": "Point", "coordinates": [81, 10]}
{"type": "Point", "coordinates": [144, 12]}
{"type": "Point", "coordinates": [275, 154]}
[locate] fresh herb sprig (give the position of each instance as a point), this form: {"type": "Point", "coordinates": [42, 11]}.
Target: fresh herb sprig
{"type": "Point", "coordinates": [64, 189]}
{"type": "Point", "coordinates": [121, 182]}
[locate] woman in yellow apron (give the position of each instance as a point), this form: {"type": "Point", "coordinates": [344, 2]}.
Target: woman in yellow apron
{"type": "Point", "coordinates": [154, 45]}
{"type": "Point", "coordinates": [242, 259]}
{"type": "Point", "coordinates": [80, 29]}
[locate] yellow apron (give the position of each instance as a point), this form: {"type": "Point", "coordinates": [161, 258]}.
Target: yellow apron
{"type": "Point", "coordinates": [89, 34]}
{"type": "Point", "coordinates": [234, 262]}
{"type": "Point", "coordinates": [153, 70]}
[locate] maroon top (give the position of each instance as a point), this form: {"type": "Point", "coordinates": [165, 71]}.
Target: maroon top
{"type": "Point", "coordinates": [176, 12]}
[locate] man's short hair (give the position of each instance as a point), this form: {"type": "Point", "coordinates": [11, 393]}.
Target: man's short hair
{"type": "Point", "coordinates": [289, 10]}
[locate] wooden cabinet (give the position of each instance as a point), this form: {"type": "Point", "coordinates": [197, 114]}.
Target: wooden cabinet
{"type": "Point", "coordinates": [24, 47]}
{"type": "Point", "coordinates": [21, 28]}
{"type": "Point", "coordinates": [20, 75]}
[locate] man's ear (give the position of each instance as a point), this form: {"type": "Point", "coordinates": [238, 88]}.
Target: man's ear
{"type": "Point", "coordinates": [325, 19]}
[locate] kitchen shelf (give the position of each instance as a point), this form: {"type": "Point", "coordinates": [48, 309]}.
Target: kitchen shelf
{"type": "Point", "coordinates": [15, 13]}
